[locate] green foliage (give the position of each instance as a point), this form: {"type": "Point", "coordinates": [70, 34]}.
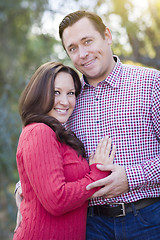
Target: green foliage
{"type": "Point", "coordinates": [135, 29]}
{"type": "Point", "coordinates": [24, 47]}
{"type": "Point", "coordinates": [22, 51]}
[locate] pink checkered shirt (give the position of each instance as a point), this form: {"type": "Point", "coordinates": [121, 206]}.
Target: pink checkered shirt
{"type": "Point", "coordinates": [125, 106]}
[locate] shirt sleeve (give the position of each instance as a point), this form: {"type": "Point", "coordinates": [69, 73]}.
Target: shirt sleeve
{"type": "Point", "coordinates": [18, 184]}
{"type": "Point", "coordinates": [44, 167]}
{"type": "Point", "coordinates": [148, 173]}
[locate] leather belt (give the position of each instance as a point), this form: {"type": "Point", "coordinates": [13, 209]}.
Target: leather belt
{"type": "Point", "coordinates": [120, 209]}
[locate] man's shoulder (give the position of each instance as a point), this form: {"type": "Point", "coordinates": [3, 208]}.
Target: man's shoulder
{"type": "Point", "coordinates": [140, 69]}
{"type": "Point", "coordinates": [141, 74]}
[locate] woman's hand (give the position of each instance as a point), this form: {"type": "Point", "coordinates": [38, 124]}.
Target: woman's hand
{"type": "Point", "coordinates": [116, 183]}
{"type": "Point", "coordinates": [18, 197]}
{"type": "Point", "coordinates": [103, 153]}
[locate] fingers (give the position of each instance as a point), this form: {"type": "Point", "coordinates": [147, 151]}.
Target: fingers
{"type": "Point", "coordinates": [106, 158]}
{"type": "Point", "coordinates": [20, 191]}
{"type": "Point", "coordinates": [108, 167]}
{"type": "Point", "coordinates": [113, 185]}
{"type": "Point", "coordinates": [101, 148]}
{"type": "Point", "coordinates": [102, 193]}
{"type": "Point", "coordinates": [18, 197]}
{"type": "Point", "coordinates": [103, 153]}
{"type": "Point", "coordinates": [97, 183]}
{"type": "Point", "coordinates": [19, 219]}
{"type": "Point", "coordinates": [105, 145]}
{"type": "Point", "coordinates": [99, 193]}
{"type": "Point", "coordinates": [112, 154]}
{"type": "Point", "coordinates": [103, 181]}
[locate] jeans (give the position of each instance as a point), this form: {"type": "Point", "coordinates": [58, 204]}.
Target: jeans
{"type": "Point", "coordinates": [143, 224]}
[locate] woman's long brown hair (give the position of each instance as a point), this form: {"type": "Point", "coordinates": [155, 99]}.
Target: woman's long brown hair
{"type": "Point", "coordinates": [37, 100]}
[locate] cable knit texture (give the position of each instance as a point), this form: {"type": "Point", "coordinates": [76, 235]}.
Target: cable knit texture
{"type": "Point", "coordinates": [54, 181]}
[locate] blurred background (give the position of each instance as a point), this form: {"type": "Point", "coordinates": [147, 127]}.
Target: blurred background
{"type": "Point", "coordinates": [29, 37]}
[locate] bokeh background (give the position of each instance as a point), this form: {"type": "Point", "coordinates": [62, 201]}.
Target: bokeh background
{"type": "Point", "coordinates": [29, 37]}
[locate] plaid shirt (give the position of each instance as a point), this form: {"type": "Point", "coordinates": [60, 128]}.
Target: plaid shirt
{"type": "Point", "coordinates": [125, 106]}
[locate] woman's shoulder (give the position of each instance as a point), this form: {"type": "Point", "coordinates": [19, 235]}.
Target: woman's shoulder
{"type": "Point", "coordinates": [37, 129]}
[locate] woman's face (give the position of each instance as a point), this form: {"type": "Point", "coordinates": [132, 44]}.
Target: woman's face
{"type": "Point", "coordinates": [65, 98]}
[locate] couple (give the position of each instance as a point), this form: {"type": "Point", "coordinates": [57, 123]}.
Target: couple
{"type": "Point", "coordinates": [118, 100]}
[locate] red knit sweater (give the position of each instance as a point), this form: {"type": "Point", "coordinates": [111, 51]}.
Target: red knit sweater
{"type": "Point", "coordinates": [54, 181]}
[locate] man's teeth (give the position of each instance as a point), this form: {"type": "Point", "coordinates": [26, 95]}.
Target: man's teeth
{"type": "Point", "coordinates": [88, 63]}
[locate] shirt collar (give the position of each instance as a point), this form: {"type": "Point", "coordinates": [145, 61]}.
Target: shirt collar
{"type": "Point", "coordinates": [113, 79]}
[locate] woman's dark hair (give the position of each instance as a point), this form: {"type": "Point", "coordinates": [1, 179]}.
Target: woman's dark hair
{"type": "Point", "coordinates": [37, 100]}
{"type": "Point", "coordinates": [73, 17]}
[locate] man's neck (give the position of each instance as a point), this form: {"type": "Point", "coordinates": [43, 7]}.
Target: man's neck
{"type": "Point", "coordinates": [94, 81]}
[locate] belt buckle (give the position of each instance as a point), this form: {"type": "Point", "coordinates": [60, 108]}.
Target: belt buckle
{"type": "Point", "coordinates": [123, 210]}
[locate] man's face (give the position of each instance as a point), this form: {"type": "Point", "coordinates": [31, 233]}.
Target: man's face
{"type": "Point", "coordinates": [90, 53]}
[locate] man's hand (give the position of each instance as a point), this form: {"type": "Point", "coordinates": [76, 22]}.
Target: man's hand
{"type": "Point", "coordinates": [113, 185]}
{"type": "Point", "coordinates": [18, 197]}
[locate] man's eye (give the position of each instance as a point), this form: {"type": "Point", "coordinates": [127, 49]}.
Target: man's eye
{"type": "Point", "coordinates": [72, 49]}
{"type": "Point", "coordinates": [88, 41]}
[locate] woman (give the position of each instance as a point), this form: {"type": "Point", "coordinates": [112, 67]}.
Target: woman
{"type": "Point", "coordinates": [50, 159]}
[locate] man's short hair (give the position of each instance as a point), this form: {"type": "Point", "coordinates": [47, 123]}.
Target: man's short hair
{"type": "Point", "coordinates": [73, 17]}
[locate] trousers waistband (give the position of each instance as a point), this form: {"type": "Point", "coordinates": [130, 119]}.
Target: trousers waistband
{"type": "Point", "coordinates": [120, 209]}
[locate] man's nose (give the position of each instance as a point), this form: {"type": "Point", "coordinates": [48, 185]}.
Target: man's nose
{"type": "Point", "coordinates": [82, 52]}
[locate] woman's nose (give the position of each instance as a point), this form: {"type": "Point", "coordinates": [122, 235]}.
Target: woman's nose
{"type": "Point", "coordinates": [64, 100]}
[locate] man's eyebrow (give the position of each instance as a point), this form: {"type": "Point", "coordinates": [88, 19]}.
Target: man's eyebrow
{"type": "Point", "coordinates": [82, 39]}
{"type": "Point", "coordinates": [71, 45]}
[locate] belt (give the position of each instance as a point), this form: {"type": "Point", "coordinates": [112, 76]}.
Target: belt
{"type": "Point", "coordinates": [120, 209]}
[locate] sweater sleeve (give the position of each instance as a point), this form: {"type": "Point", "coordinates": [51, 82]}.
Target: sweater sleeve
{"type": "Point", "coordinates": [44, 167]}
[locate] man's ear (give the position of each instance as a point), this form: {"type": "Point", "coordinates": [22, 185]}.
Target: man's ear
{"type": "Point", "coordinates": [108, 36]}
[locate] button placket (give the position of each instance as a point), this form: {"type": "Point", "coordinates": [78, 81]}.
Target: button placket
{"type": "Point", "coordinates": [98, 110]}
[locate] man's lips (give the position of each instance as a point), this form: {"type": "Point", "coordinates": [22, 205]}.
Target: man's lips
{"type": "Point", "coordinates": [86, 64]}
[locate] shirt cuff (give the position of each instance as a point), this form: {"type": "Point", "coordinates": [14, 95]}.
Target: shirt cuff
{"type": "Point", "coordinates": [18, 184]}
{"type": "Point", "coordinates": [135, 176]}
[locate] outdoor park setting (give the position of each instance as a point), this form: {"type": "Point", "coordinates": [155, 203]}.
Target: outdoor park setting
{"type": "Point", "coordinates": [29, 38]}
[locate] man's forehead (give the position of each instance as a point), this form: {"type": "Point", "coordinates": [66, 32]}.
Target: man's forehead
{"type": "Point", "coordinates": [79, 31]}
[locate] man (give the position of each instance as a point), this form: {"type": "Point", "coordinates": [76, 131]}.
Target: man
{"type": "Point", "coordinates": [121, 101]}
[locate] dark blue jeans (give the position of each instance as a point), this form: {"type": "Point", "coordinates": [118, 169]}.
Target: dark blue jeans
{"type": "Point", "coordinates": [143, 224]}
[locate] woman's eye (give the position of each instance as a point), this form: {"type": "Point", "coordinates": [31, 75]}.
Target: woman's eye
{"type": "Point", "coordinates": [56, 92]}
{"type": "Point", "coordinates": [71, 93]}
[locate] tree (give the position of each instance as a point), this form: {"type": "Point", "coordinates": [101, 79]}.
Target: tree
{"type": "Point", "coordinates": [135, 26]}
{"type": "Point", "coordinates": [22, 51]}
{"type": "Point", "coordinates": [135, 29]}
{"type": "Point", "coordinates": [25, 45]}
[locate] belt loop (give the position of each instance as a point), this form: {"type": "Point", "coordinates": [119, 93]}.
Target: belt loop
{"type": "Point", "coordinates": [135, 212]}
{"type": "Point", "coordinates": [91, 211]}
{"type": "Point", "coordinates": [98, 211]}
